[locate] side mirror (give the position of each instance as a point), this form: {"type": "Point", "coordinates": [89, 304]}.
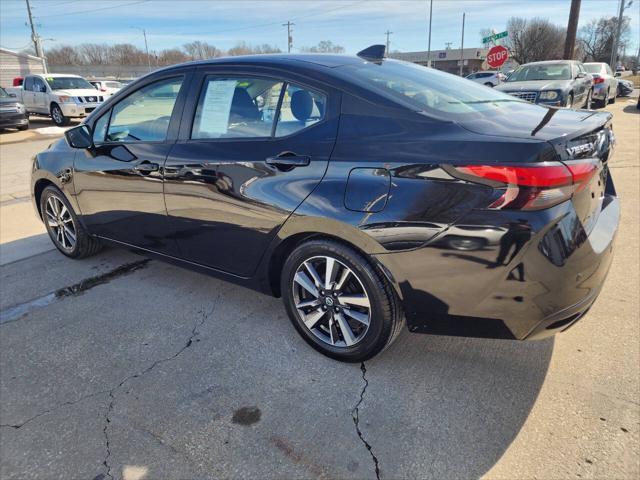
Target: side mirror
{"type": "Point", "coordinates": [580, 75]}
{"type": "Point", "coordinates": [79, 137]}
{"type": "Point", "coordinates": [617, 74]}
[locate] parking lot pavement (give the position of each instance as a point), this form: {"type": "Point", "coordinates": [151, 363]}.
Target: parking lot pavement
{"type": "Point", "coordinates": [116, 366]}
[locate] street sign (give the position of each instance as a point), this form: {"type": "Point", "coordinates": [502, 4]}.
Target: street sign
{"type": "Point", "coordinates": [495, 36]}
{"type": "Point", "coordinates": [497, 56]}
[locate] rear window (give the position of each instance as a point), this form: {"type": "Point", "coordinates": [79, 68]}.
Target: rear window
{"type": "Point", "coordinates": [541, 71]}
{"type": "Point", "coordinates": [427, 89]}
{"type": "Point", "coordinates": [593, 68]}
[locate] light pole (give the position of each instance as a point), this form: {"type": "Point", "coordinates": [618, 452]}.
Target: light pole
{"type": "Point", "coordinates": [146, 45]}
{"type": "Point", "coordinates": [429, 43]}
{"type": "Point", "coordinates": [616, 40]}
{"type": "Point", "coordinates": [462, 45]}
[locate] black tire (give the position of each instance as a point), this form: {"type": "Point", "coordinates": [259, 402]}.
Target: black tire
{"type": "Point", "coordinates": [24, 127]}
{"type": "Point", "coordinates": [589, 101]}
{"type": "Point", "coordinates": [84, 245]}
{"type": "Point", "coordinates": [386, 317]}
{"type": "Point", "coordinates": [489, 84]}
{"type": "Point", "coordinates": [58, 117]}
{"type": "Point", "coordinates": [569, 102]}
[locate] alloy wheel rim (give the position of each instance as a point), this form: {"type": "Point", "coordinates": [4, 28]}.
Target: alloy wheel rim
{"type": "Point", "coordinates": [56, 115]}
{"type": "Point", "coordinates": [331, 301]}
{"type": "Point", "coordinates": [60, 223]}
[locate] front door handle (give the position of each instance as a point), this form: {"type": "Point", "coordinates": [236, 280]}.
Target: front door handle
{"type": "Point", "coordinates": [288, 160]}
{"type": "Point", "coordinates": [146, 167]}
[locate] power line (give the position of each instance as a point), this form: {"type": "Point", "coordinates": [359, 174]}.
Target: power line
{"type": "Point", "coordinates": [93, 10]}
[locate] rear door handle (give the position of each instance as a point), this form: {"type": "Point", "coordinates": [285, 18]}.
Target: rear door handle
{"type": "Point", "coordinates": [288, 159]}
{"type": "Point", "coordinates": [146, 167]}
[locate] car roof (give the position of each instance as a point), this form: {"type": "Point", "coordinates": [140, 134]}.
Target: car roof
{"type": "Point", "coordinates": [57, 75]}
{"type": "Point", "coordinates": [309, 60]}
{"type": "Point", "coordinates": [550, 61]}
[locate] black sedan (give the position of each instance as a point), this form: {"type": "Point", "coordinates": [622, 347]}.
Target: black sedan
{"type": "Point", "coordinates": [368, 193]}
{"type": "Point", "coordinates": [12, 112]}
{"type": "Point", "coordinates": [559, 83]}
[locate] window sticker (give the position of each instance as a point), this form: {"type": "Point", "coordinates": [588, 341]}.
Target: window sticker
{"type": "Point", "coordinates": [216, 107]}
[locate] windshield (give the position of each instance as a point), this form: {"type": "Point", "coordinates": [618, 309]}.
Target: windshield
{"type": "Point", "coordinates": [428, 89]}
{"type": "Point", "coordinates": [541, 71]}
{"type": "Point", "coordinates": [593, 67]}
{"type": "Point", "coordinates": [68, 83]}
{"type": "Point", "coordinates": [3, 93]}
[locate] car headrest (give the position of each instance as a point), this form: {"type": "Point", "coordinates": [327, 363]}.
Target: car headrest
{"type": "Point", "coordinates": [242, 107]}
{"type": "Point", "coordinates": [301, 105]}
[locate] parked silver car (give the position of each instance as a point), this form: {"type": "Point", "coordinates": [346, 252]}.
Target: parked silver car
{"type": "Point", "coordinates": [605, 84]}
{"type": "Point", "coordinates": [561, 83]}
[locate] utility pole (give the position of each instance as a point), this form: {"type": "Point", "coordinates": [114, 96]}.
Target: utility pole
{"type": "Point", "coordinates": [462, 45]}
{"type": "Point", "coordinates": [146, 47]}
{"type": "Point", "coordinates": [572, 28]}
{"type": "Point", "coordinates": [289, 37]}
{"type": "Point", "coordinates": [387, 33]}
{"type": "Point", "coordinates": [616, 40]}
{"type": "Point", "coordinates": [34, 35]}
{"type": "Point", "coordinates": [429, 44]}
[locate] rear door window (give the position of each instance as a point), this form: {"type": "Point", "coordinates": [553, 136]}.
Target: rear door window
{"type": "Point", "coordinates": [236, 107]}
{"type": "Point", "coordinates": [300, 109]}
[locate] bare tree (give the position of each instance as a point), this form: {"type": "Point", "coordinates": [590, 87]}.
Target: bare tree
{"type": "Point", "coordinates": [94, 54]}
{"type": "Point", "coordinates": [325, 46]}
{"type": "Point", "coordinates": [200, 50]}
{"type": "Point", "coordinates": [534, 40]}
{"type": "Point", "coordinates": [597, 36]}
{"type": "Point", "coordinates": [126, 54]}
{"type": "Point", "coordinates": [172, 56]}
{"type": "Point", "coordinates": [63, 55]}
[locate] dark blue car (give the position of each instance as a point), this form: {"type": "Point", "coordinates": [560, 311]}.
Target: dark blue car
{"type": "Point", "coordinates": [368, 193]}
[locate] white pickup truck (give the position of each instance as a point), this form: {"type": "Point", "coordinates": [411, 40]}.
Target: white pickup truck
{"type": "Point", "coordinates": [61, 96]}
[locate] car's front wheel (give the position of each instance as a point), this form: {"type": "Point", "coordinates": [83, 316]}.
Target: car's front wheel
{"type": "Point", "coordinates": [339, 302]}
{"type": "Point", "coordinates": [63, 227]}
{"type": "Point", "coordinates": [58, 117]}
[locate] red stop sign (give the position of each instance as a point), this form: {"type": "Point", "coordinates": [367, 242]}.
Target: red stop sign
{"type": "Point", "coordinates": [497, 56]}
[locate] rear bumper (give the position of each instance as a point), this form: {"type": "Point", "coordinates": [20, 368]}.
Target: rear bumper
{"type": "Point", "coordinates": [539, 278]}
{"type": "Point", "coordinates": [600, 91]}
{"type": "Point", "coordinates": [13, 119]}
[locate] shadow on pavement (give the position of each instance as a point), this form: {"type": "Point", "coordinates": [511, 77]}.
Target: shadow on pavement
{"type": "Point", "coordinates": [162, 376]}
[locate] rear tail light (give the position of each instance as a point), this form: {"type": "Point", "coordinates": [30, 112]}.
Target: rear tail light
{"type": "Point", "coordinates": [531, 187]}
{"type": "Point", "coordinates": [598, 80]}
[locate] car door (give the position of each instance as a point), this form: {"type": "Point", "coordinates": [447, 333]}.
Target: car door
{"type": "Point", "coordinates": [27, 93]}
{"type": "Point", "coordinates": [40, 96]}
{"type": "Point", "coordinates": [118, 182]}
{"type": "Point", "coordinates": [584, 81]}
{"type": "Point", "coordinates": [251, 149]}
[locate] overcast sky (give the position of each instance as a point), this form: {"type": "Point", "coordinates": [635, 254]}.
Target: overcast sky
{"type": "Point", "coordinates": [350, 23]}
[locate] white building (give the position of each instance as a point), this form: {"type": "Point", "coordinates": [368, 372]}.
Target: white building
{"type": "Point", "coordinates": [16, 64]}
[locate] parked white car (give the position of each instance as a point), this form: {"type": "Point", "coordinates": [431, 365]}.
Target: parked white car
{"type": "Point", "coordinates": [488, 78]}
{"type": "Point", "coordinates": [62, 96]}
{"type": "Point", "coordinates": [605, 84]}
{"type": "Point", "coordinates": [108, 87]}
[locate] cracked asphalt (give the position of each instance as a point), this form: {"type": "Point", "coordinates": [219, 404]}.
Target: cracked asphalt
{"type": "Point", "coordinates": [116, 367]}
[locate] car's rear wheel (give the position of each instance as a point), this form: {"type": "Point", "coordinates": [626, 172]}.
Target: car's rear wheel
{"type": "Point", "coordinates": [58, 117]}
{"type": "Point", "coordinates": [339, 302]}
{"type": "Point", "coordinates": [63, 227]}
{"type": "Point", "coordinates": [489, 84]}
